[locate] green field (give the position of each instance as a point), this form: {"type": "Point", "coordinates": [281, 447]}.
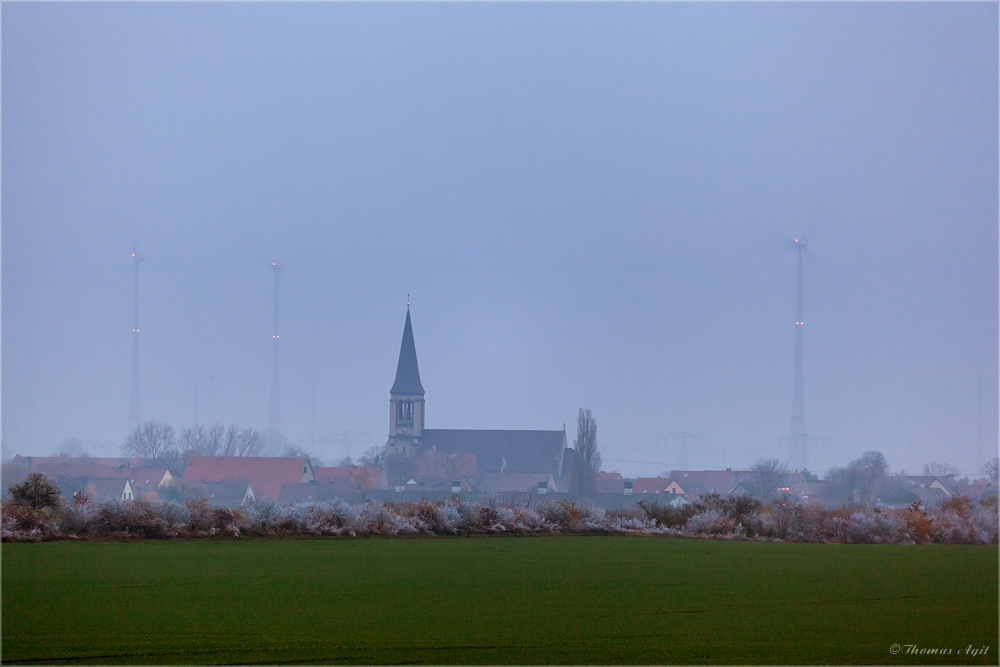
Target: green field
{"type": "Point", "coordinates": [532, 600]}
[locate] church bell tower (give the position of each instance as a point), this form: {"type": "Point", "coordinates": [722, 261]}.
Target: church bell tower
{"type": "Point", "coordinates": [406, 398]}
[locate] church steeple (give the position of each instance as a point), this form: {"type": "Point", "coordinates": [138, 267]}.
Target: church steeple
{"type": "Point", "coordinates": [406, 398]}
{"type": "Point", "coordinates": [407, 373]}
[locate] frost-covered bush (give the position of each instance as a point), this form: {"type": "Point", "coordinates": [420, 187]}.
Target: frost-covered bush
{"type": "Point", "coordinates": [961, 520]}
{"type": "Point", "coordinates": [426, 515]}
{"type": "Point", "coordinates": [335, 518]}
{"type": "Point", "coordinates": [710, 522]}
{"type": "Point", "coordinates": [870, 526]}
{"type": "Point", "coordinates": [788, 518]}
{"type": "Point", "coordinates": [378, 518]}
{"type": "Point", "coordinates": [985, 520]}
{"type": "Point", "coordinates": [957, 520]}
{"type": "Point", "coordinates": [629, 519]}
{"type": "Point", "coordinates": [260, 517]}
{"type": "Point", "coordinates": [25, 523]}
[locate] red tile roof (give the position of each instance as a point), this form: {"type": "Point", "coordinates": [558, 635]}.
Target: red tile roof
{"type": "Point", "coordinates": [106, 487]}
{"type": "Point", "coordinates": [265, 473]}
{"type": "Point", "coordinates": [650, 484]}
{"type": "Point", "coordinates": [365, 476]}
{"type": "Point", "coordinates": [112, 462]}
{"type": "Point", "coordinates": [142, 476]}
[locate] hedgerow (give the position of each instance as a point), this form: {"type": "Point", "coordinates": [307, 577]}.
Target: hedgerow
{"type": "Point", "coordinates": [956, 521]}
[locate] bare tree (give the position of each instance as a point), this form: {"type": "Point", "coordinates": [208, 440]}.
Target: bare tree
{"type": "Point", "coordinates": [229, 441]}
{"type": "Point", "coordinates": [72, 447]}
{"type": "Point", "coordinates": [192, 438]}
{"type": "Point", "coordinates": [272, 442]}
{"type": "Point", "coordinates": [213, 440]}
{"type": "Point", "coordinates": [175, 461]}
{"type": "Point", "coordinates": [400, 467]}
{"type": "Point", "coordinates": [201, 440]}
{"type": "Point", "coordinates": [294, 451]}
{"type": "Point", "coordinates": [149, 440]}
{"type": "Point", "coordinates": [588, 458]}
{"type": "Point", "coordinates": [250, 443]}
{"type": "Point", "coordinates": [373, 457]}
{"type": "Point", "coordinates": [989, 469]}
{"type": "Point", "coordinates": [940, 470]}
{"type": "Point", "coordinates": [448, 466]}
{"type": "Point", "coordinates": [874, 465]}
{"type": "Point", "coordinates": [36, 492]}
{"type": "Point", "coordinates": [240, 442]}
{"type": "Point", "coordinates": [848, 481]}
{"type": "Point", "coordinates": [766, 475]}
{"type": "Point", "coordinates": [863, 478]}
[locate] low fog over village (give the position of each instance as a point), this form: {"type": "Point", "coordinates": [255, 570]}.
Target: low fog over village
{"type": "Point", "coordinates": [449, 252]}
{"type": "Point", "coordinates": [234, 465]}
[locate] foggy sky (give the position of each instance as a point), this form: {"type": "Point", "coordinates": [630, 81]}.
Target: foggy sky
{"type": "Point", "coordinates": [590, 205]}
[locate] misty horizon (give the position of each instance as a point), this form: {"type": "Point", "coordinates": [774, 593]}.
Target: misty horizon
{"type": "Point", "coordinates": [588, 206]}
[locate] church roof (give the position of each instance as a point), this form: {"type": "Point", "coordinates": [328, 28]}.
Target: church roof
{"type": "Point", "coordinates": [502, 451]}
{"type": "Point", "coordinates": [407, 373]}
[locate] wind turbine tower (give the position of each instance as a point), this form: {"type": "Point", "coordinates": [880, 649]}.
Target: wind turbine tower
{"type": "Point", "coordinates": [134, 413]}
{"type": "Point", "coordinates": [275, 418]}
{"type": "Point", "coordinates": [797, 455]}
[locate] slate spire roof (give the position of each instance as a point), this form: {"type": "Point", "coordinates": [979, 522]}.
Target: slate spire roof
{"type": "Point", "coordinates": [407, 373]}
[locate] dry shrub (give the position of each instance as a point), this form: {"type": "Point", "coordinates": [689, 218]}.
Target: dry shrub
{"type": "Point", "coordinates": [199, 515]}
{"type": "Point", "coordinates": [919, 527]}
{"type": "Point", "coordinates": [220, 517]}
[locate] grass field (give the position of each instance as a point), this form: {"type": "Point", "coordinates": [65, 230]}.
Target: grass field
{"type": "Point", "coordinates": [533, 600]}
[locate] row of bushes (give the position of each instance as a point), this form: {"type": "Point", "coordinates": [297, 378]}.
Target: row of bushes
{"type": "Point", "coordinates": [84, 518]}
{"type": "Point", "coordinates": [956, 521]}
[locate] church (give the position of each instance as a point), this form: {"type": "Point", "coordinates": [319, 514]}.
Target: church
{"type": "Point", "coordinates": [495, 450]}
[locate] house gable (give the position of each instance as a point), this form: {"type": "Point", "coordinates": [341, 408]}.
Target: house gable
{"type": "Point", "coordinates": [265, 474]}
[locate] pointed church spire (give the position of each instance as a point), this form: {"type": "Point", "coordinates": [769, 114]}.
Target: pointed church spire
{"type": "Point", "coordinates": [407, 373]}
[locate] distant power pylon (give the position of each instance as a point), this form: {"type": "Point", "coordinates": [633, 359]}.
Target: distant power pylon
{"type": "Point", "coordinates": [680, 442]}
{"type": "Point", "coordinates": [134, 412]}
{"type": "Point", "coordinates": [274, 421]}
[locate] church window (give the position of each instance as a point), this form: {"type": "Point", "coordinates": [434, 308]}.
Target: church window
{"type": "Point", "coordinates": [409, 411]}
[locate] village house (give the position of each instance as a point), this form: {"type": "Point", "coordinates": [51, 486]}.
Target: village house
{"type": "Point", "coordinates": [519, 482]}
{"type": "Point", "coordinates": [264, 475]}
{"type": "Point", "coordinates": [109, 488]}
{"type": "Point", "coordinates": [355, 478]}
